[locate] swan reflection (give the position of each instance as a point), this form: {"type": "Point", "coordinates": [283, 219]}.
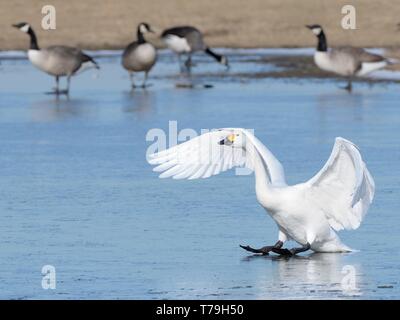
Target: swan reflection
{"type": "Point", "coordinates": [319, 275]}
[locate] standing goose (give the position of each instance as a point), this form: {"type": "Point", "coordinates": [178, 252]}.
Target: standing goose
{"type": "Point", "coordinates": [188, 40]}
{"type": "Point", "coordinates": [345, 61]}
{"type": "Point", "coordinates": [139, 56]}
{"type": "Point", "coordinates": [57, 61]}
{"type": "Point", "coordinates": [336, 198]}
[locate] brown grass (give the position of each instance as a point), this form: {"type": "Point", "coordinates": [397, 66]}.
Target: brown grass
{"type": "Point", "coordinates": [102, 24]}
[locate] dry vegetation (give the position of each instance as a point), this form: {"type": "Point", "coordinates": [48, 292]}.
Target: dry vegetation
{"type": "Point", "coordinates": [95, 24]}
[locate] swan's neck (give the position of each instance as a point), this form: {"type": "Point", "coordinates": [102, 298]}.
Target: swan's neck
{"type": "Point", "coordinates": [262, 175]}
{"type": "Point", "coordinates": [268, 171]}
{"type": "Point", "coordinates": [261, 171]}
{"type": "Point", "coordinates": [266, 161]}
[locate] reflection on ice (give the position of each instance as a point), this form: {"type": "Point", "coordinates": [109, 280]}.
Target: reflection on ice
{"type": "Point", "coordinates": [56, 108]}
{"type": "Point", "coordinates": [314, 276]}
{"type": "Point", "coordinates": [140, 101]}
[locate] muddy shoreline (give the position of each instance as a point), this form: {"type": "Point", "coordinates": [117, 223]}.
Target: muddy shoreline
{"type": "Point", "coordinates": [285, 66]}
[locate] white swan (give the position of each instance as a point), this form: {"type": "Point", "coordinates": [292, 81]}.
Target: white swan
{"type": "Point", "coordinates": [336, 198]}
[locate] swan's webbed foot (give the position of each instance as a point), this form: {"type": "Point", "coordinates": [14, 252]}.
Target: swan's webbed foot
{"type": "Point", "coordinates": [291, 252]}
{"type": "Point", "coordinates": [264, 250]}
{"type": "Point", "coordinates": [283, 252]}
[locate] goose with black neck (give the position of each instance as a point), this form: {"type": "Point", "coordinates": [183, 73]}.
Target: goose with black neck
{"type": "Point", "coordinates": [57, 61]}
{"type": "Point", "coordinates": [346, 61]}
{"type": "Point", "coordinates": [140, 55]}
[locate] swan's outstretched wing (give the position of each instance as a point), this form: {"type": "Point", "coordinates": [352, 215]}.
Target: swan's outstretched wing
{"type": "Point", "coordinates": [200, 157]}
{"type": "Point", "coordinates": [343, 188]}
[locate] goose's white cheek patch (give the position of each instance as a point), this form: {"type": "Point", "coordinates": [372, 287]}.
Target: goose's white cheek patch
{"type": "Point", "coordinates": [143, 28]}
{"type": "Point", "coordinates": [316, 31]}
{"type": "Point", "coordinates": [25, 28]}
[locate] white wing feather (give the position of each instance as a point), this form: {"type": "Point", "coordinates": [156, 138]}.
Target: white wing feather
{"type": "Point", "coordinates": [200, 157]}
{"type": "Point", "coordinates": [343, 188]}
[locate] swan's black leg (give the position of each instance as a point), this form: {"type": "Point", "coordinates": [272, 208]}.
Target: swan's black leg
{"type": "Point", "coordinates": [264, 250]}
{"type": "Point", "coordinates": [291, 252]}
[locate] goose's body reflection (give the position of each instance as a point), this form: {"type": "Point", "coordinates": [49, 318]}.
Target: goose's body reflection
{"type": "Point", "coordinates": [318, 275]}
{"type": "Point", "coordinates": [139, 102]}
{"type": "Point", "coordinates": [57, 109]}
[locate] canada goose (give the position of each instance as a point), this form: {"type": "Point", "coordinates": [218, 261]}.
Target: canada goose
{"type": "Point", "coordinates": [57, 61]}
{"type": "Point", "coordinates": [345, 61]}
{"type": "Point", "coordinates": [187, 39]}
{"type": "Point", "coordinates": [336, 198]}
{"type": "Point", "coordinates": [139, 56]}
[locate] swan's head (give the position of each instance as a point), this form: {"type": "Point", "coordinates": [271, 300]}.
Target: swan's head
{"type": "Point", "coordinates": [315, 28]}
{"type": "Point", "coordinates": [235, 139]}
{"type": "Point", "coordinates": [23, 26]}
